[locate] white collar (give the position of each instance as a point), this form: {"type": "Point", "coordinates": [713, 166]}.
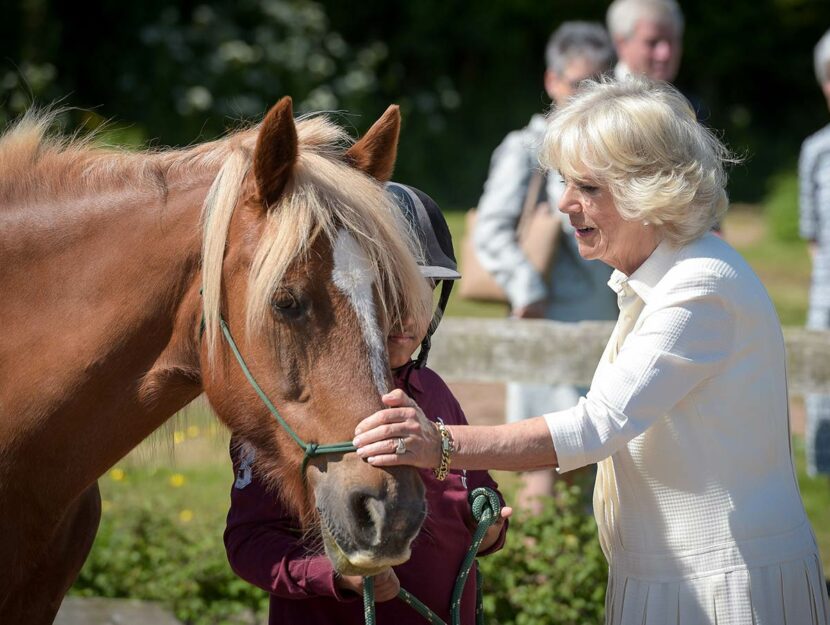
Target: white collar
{"type": "Point", "coordinates": [647, 275]}
{"type": "Point", "coordinates": [621, 71]}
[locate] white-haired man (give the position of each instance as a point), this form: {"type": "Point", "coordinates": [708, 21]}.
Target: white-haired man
{"type": "Point", "coordinates": [814, 225]}
{"type": "Point", "coordinates": [648, 36]}
{"type": "Point", "coordinates": [575, 289]}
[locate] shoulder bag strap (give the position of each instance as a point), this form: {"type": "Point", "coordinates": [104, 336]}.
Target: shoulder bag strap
{"type": "Point", "coordinates": [535, 195]}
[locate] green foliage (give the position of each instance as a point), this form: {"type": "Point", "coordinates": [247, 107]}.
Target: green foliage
{"type": "Point", "coordinates": [781, 206]}
{"type": "Point", "coordinates": [551, 571]}
{"type": "Point", "coordinates": [815, 492]}
{"type": "Point", "coordinates": [148, 553]}
{"type": "Point", "coordinates": [161, 540]}
{"type": "Point", "coordinates": [464, 73]}
{"type": "Point", "coordinates": [232, 60]}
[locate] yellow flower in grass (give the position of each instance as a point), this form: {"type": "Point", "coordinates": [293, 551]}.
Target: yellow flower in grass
{"type": "Point", "coordinates": [186, 516]}
{"type": "Point", "coordinates": [192, 431]}
{"type": "Point", "coordinates": [106, 505]}
{"type": "Point", "coordinates": [117, 475]}
{"type": "Point", "coordinates": [177, 480]}
{"type": "Point", "coordinates": [178, 437]}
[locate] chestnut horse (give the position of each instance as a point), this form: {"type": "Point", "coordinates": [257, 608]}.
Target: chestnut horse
{"type": "Point", "coordinates": [118, 272]}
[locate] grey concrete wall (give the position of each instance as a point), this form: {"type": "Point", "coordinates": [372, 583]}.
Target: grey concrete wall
{"type": "Point", "coordinates": [502, 350]}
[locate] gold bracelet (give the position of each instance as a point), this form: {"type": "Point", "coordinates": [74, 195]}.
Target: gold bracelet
{"type": "Point", "coordinates": [447, 448]}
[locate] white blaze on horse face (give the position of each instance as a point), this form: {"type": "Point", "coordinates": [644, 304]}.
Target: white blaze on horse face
{"type": "Point", "coordinates": [354, 276]}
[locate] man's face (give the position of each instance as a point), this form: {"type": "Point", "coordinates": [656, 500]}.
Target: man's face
{"type": "Point", "coordinates": [561, 87]}
{"type": "Point", "coordinates": [653, 50]}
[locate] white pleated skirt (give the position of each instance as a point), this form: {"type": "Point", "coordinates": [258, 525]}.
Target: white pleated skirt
{"type": "Point", "coordinates": [784, 593]}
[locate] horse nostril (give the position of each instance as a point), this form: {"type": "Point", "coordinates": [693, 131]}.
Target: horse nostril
{"type": "Point", "coordinates": [369, 513]}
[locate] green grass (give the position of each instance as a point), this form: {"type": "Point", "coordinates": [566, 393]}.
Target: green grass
{"type": "Point", "coordinates": [815, 492]}
{"type": "Point", "coordinates": [783, 265]}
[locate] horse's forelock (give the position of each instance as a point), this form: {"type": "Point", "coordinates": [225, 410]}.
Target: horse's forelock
{"type": "Point", "coordinates": [325, 194]}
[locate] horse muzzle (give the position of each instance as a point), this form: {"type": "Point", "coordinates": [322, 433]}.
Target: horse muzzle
{"type": "Point", "coordinates": [370, 526]}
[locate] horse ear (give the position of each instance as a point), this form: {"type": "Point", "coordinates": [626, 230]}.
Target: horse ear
{"type": "Point", "coordinates": [376, 151]}
{"type": "Point", "coordinates": [276, 151]}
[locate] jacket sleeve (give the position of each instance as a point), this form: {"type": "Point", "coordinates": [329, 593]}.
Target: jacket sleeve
{"type": "Point", "coordinates": [475, 479]}
{"type": "Point", "coordinates": [808, 162]}
{"type": "Point", "coordinates": [499, 208]}
{"type": "Point", "coordinates": [684, 338]}
{"type": "Point", "coordinates": [263, 541]}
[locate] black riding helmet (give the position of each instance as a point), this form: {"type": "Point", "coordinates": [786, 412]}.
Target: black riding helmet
{"type": "Point", "coordinates": [428, 223]}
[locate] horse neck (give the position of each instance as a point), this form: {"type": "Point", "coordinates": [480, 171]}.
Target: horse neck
{"type": "Point", "coordinates": [104, 310]}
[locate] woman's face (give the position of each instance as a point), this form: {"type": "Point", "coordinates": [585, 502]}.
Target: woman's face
{"type": "Point", "coordinates": [404, 338]}
{"type": "Point", "coordinates": [601, 232]}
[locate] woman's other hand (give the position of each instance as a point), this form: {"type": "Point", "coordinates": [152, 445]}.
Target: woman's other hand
{"type": "Point", "coordinates": [377, 436]}
{"type": "Point", "coordinates": [386, 584]}
{"type": "Point", "coordinates": [534, 310]}
{"type": "Point", "coordinates": [494, 530]}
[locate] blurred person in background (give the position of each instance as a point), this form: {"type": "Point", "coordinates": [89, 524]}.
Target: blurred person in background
{"type": "Point", "coordinates": [648, 36]}
{"type": "Point", "coordinates": [814, 226]}
{"type": "Point", "coordinates": [575, 289]}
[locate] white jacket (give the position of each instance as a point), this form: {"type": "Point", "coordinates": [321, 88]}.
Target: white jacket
{"type": "Point", "coordinates": [697, 503]}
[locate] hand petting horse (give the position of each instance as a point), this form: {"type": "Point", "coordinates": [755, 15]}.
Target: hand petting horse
{"type": "Point", "coordinates": [127, 280]}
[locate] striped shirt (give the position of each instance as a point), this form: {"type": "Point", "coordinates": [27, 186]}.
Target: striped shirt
{"type": "Point", "coordinates": [814, 210]}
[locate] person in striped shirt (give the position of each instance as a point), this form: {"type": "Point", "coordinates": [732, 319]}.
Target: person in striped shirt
{"type": "Point", "coordinates": [814, 226]}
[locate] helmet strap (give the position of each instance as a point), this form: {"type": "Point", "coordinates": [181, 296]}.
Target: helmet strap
{"type": "Point", "coordinates": [443, 299]}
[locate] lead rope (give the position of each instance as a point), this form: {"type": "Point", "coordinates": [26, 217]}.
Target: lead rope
{"type": "Point", "coordinates": [486, 509]}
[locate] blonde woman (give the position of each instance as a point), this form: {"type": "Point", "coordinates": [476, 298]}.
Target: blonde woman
{"type": "Point", "coordinates": [696, 497]}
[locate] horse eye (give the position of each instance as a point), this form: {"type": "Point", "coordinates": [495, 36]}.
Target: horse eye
{"type": "Point", "coordinates": [286, 303]}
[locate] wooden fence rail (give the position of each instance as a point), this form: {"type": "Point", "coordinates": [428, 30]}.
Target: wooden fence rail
{"type": "Point", "coordinates": [502, 350]}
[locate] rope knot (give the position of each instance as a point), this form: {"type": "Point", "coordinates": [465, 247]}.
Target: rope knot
{"type": "Point", "coordinates": [485, 505]}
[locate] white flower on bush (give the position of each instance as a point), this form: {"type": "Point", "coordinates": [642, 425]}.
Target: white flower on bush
{"type": "Point", "coordinates": [198, 98]}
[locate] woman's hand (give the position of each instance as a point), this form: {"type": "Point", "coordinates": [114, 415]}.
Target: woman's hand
{"type": "Point", "coordinates": [377, 436]}
{"type": "Point", "coordinates": [386, 584]}
{"type": "Point", "coordinates": [492, 533]}
{"type": "Point", "coordinates": [534, 310]}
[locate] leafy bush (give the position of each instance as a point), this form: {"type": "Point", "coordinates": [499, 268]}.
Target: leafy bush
{"type": "Point", "coordinates": [551, 571]}
{"type": "Point", "coordinates": [781, 206]}
{"type": "Point", "coordinates": [161, 540]}
{"type": "Point", "coordinates": [148, 553]}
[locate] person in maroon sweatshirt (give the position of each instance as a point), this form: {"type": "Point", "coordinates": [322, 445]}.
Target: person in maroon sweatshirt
{"type": "Point", "coordinates": [264, 542]}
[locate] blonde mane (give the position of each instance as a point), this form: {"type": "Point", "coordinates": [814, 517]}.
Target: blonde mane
{"type": "Point", "coordinates": [324, 194]}
{"type": "Point", "coordinates": [35, 160]}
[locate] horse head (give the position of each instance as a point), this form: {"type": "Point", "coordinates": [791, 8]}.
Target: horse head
{"type": "Point", "coordinates": [305, 265]}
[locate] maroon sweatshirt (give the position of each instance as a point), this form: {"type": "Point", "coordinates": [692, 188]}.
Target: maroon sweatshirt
{"type": "Point", "coordinates": [265, 546]}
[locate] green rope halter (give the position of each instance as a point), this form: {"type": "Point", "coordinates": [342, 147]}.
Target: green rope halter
{"type": "Point", "coordinates": [310, 450]}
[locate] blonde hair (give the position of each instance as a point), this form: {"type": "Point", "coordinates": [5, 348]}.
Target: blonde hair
{"type": "Point", "coordinates": [642, 140]}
